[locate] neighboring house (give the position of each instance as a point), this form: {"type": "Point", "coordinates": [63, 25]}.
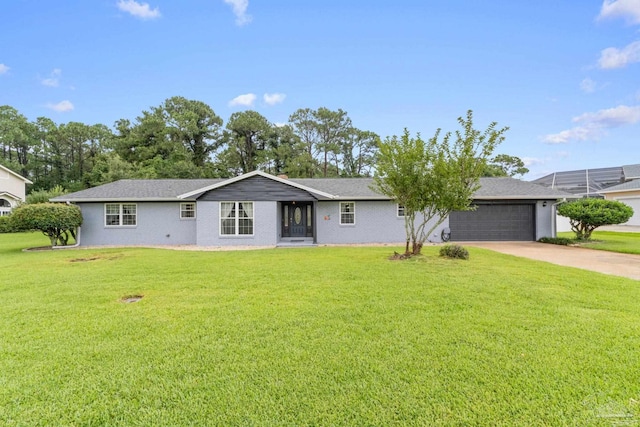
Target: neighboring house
{"type": "Point", "coordinates": [258, 209]}
{"type": "Point", "coordinates": [589, 182]}
{"type": "Point", "coordinates": [599, 182]}
{"type": "Point", "coordinates": [12, 190]}
{"type": "Point", "coordinates": [629, 194]}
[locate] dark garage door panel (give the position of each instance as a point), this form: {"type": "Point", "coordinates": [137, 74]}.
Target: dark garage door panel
{"type": "Point", "coordinates": [494, 222]}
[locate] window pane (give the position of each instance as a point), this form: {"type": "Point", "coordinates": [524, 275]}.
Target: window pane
{"type": "Point", "coordinates": [187, 210]}
{"type": "Point", "coordinates": [347, 213]}
{"type": "Point", "coordinates": [128, 214]}
{"type": "Point", "coordinates": [228, 226]}
{"type": "Point", "coordinates": [113, 209]}
{"type": "Point", "coordinates": [112, 220]}
{"type": "Point", "coordinates": [112, 214]}
{"type": "Point", "coordinates": [245, 226]}
{"type": "Point", "coordinates": [245, 209]}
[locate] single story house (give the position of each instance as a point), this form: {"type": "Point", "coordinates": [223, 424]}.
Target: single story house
{"type": "Point", "coordinates": [629, 194]}
{"type": "Point", "coordinates": [259, 209]}
{"type": "Point", "coordinates": [12, 190]}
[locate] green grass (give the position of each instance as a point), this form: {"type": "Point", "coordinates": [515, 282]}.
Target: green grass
{"type": "Point", "coordinates": [613, 241]}
{"type": "Point", "coordinates": [315, 336]}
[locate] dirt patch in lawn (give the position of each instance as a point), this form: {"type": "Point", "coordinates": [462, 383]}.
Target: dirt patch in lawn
{"type": "Point", "coordinates": [95, 258]}
{"type": "Point", "coordinates": [128, 299]}
{"type": "Point", "coordinates": [399, 257]}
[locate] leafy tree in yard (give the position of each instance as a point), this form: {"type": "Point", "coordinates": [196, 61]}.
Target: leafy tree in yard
{"type": "Point", "coordinates": [55, 220]}
{"type": "Point", "coordinates": [505, 165]}
{"type": "Point", "coordinates": [246, 137]}
{"type": "Point", "coordinates": [286, 153]}
{"type": "Point", "coordinates": [43, 196]}
{"type": "Point", "coordinates": [17, 138]}
{"type": "Point", "coordinates": [195, 125]}
{"type": "Point", "coordinates": [435, 177]}
{"type": "Point", "coordinates": [358, 151]}
{"type": "Point", "coordinates": [585, 215]}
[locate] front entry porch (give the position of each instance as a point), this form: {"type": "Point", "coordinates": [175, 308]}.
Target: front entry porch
{"type": "Point", "coordinates": [297, 224]}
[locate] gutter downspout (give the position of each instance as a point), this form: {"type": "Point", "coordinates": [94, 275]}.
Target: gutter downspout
{"type": "Point", "coordinates": [75, 245]}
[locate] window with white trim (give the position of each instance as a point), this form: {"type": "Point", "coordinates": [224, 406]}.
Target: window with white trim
{"type": "Point", "coordinates": [236, 218]}
{"type": "Point", "coordinates": [400, 211]}
{"type": "Point", "coordinates": [5, 207]}
{"type": "Point", "coordinates": [120, 214]}
{"type": "Point", "coordinates": [347, 213]}
{"type": "Point", "coordinates": [187, 210]}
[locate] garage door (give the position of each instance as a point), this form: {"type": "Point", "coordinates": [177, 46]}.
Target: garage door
{"type": "Point", "coordinates": [494, 222]}
{"type": "Point", "coordinates": [634, 202]}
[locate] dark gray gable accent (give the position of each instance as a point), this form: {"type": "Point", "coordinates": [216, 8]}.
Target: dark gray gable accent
{"type": "Point", "coordinates": [257, 189]}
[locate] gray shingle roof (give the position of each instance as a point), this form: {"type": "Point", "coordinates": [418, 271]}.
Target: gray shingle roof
{"type": "Point", "coordinates": [511, 188]}
{"type": "Point", "coordinates": [354, 188]}
{"type": "Point", "coordinates": [340, 188]}
{"type": "Point", "coordinates": [138, 189]}
{"type": "Point", "coordinates": [625, 186]}
{"type": "Point", "coordinates": [631, 171]}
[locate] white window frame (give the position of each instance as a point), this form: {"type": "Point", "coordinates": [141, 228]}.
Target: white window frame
{"type": "Point", "coordinates": [400, 208]}
{"type": "Point", "coordinates": [237, 219]}
{"type": "Point", "coordinates": [184, 210]}
{"type": "Point", "coordinates": [121, 215]}
{"type": "Point", "coordinates": [353, 214]}
{"type": "Point", "coordinates": [6, 210]}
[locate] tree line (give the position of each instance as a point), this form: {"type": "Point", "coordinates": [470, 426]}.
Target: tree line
{"type": "Point", "coordinates": [183, 138]}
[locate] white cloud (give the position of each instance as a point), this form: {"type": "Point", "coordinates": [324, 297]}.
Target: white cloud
{"type": "Point", "coordinates": [627, 9]}
{"type": "Point", "coordinates": [240, 10]}
{"type": "Point", "coordinates": [532, 161]}
{"type": "Point", "coordinates": [4, 69]}
{"type": "Point", "coordinates": [245, 100]}
{"type": "Point", "coordinates": [274, 98]}
{"type": "Point", "coordinates": [580, 133]}
{"type": "Point", "coordinates": [61, 107]}
{"type": "Point", "coordinates": [139, 10]}
{"type": "Point", "coordinates": [54, 78]}
{"type": "Point", "coordinates": [587, 85]}
{"type": "Point", "coordinates": [594, 124]}
{"type": "Point", "coordinates": [612, 57]}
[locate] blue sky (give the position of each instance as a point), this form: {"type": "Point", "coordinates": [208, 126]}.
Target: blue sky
{"type": "Point", "coordinates": [564, 76]}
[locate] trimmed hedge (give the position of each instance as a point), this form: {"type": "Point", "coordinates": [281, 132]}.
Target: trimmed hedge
{"type": "Point", "coordinates": [585, 215]}
{"type": "Point", "coordinates": [58, 221]}
{"type": "Point", "coordinates": [564, 241]}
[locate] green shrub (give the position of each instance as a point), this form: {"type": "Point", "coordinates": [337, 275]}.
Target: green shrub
{"type": "Point", "coordinates": [454, 251]}
{"type": "Point", "coordinates": [58, 221]}
{"type": "Point", "coordinates": [585, 215]}
{"type": "Point", "coordinates": [565, 241]}
{"type": "Point", "coordinates": [43, 196]}
{"type": "Point", "coordinates": [6, 226]}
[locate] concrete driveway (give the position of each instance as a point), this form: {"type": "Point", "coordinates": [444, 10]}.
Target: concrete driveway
{"type": "Point", "coordinates": [616, 264]}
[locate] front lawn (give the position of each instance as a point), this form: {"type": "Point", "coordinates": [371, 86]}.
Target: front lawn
{"type": "Point", "coordinates": [613, 241]}
{"type": "Point", "coordinates": [314, 336]}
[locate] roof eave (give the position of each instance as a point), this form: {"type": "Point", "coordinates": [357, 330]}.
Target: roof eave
{"type": "Point", "coordinates": [618, 191]}
{"type": "Point", "coordinates": [522, 197]}
{"type": "Point", "coordinates": [16, 175]}
{"type": "Point", "coordinates": [116, 199]}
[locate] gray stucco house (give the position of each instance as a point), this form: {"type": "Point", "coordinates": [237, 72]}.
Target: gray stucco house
{"type": "Point", "coordinates": [259, 209]}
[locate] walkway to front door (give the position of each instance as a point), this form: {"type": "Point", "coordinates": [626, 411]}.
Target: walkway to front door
{"type": "Point", "coordinates": [297, 219]}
